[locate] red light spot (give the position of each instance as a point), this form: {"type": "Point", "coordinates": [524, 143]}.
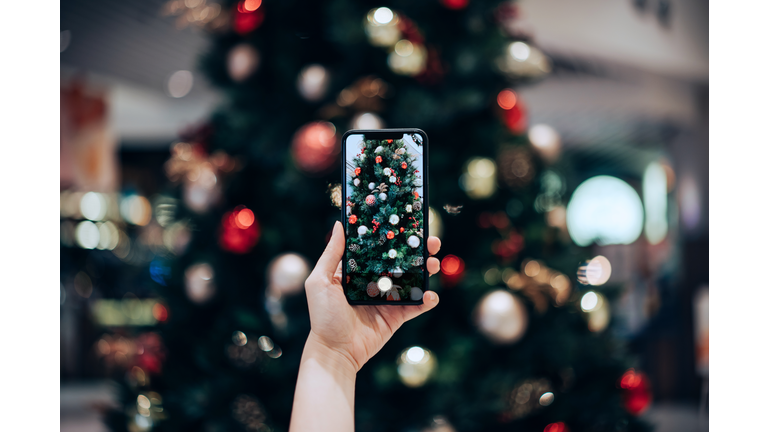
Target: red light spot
{"type": "Point", "coordinates": [246, 21]}
{"type": "Point", "coordinates": [160, 312]}
{"type": "Point", "coordinates": [556, 427]}
{"type": "Point", "coordinates": [452, 265]}
{"type": "Point", "coordinates": [250, 5]}
{"type": "Point", "coordinates": [506, 99]}
{"type": "Point", "coordinates": [455, 4]}
{"type": "Point", "coordinates": [244, 218]}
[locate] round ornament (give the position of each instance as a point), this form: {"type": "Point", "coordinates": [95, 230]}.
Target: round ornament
{"type": "Point", "coordinates": [383, 196]}
{"type": "Point", "coordinates": [392, 254]}
{"type": "Point", "coordinates": [414, 241]}
{"type": "Point", "coordinates": [353, 219]}
{"type": "Point", "coordinates": [417, 182]}
{"type": "Point", "coordinates": [362, 156]}
{"type": "Point", "coordinates": [199, 283]}
{"type": "Point", "coordinates": [416, 294]}
{"type": "Point", "coordinates": [378, 159]}
{"type": "Point", "coordinates": [363, 230]}
{"type": "Point", "coordinates": [397, 272]}
{"type": "Point", "coordinates": [356, 182]}
{"type": "Point", "coordinates": [501, 317]}
{"type": "Point", "coordinates": [394, 219]}
{"type": "Point", "coordinates": [378, 149]}
{"type": "Point", "coordinates": [287, 273]}
{"type": "Point", "coordinates": [393, 179]}
{"type": "Point", "coordinates": [404, 165]}
{"type": "Point", "coordinates": [358, 170]}
{"type": "Point", "coordinates": [402, 229]}
{"type": "Point", "coordinates": [370, 200]}
{"type": "Point", "coordinates": [400, 151]}
{"type": "Point", "coordinates": [372, 289]}
{"type": "Point", "coordinates": [417, 205]}
{"type": "Point", "coordinates": [242, 62]}
{"type": "Point", "coordinates": [419, 260]}
{"type": "Point", "coordinates": [371, 185]}
{"type": "Point", "coordinates": [408, 208]}
{"type": "Point", "coordinates": [387, 171]}
{"type": "Point", "coordinates": [390, 235]}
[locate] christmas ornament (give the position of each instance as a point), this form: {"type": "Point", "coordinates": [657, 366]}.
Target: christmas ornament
{"type": "Point", "coordinates": [392, 254]}
{"type": "Point", "coordinates": [358, 170]}
{"type": "Point", "coordinates": [352, 265]}
{"type": "Point", "coordinates": [315, 147]}
{"type": "Point", "coordinates": [383, 196]}
{"type": "Point", "coordinates": [402, 229]}
{"type": "Point", "coordinates": [418, 261]}
{"type": "Point", "coordinates": [392, 179]}
{"type": "Point", "coordinates": [404, 165]}
{"type": "Point", "coordinates": [501, 317]}
{"type": "Point", "coordinates": [416, 294]}
{"type": "Point", "coordinates": [394, 219]}
{"type": "Point", "coordinates": [516, 166]}
{"type": "Point", "coordinates": [239, 231]}
{"type": "Point", "coordinates": [382, 239]}
{"type": "Point", "coordinates": [199, 284]}
{"type": "Point", "coordinates": [353, 219]}
{"type": "Point", "coordinates": [354, 247]}
{"type": "Point", "coordinates": [242, 61]}
{"type": "Point", "coordinates": [313, 82]}
{"type": "Point", "coordinates": [387, 171]}
{"type": "Point", "coordinates": [390, 235]}
{"type": "Point", "coordinates": [370, 200]}
{"type": "Point", "coordinates": [378, 149]}
{"type": "Point", "coordinates": [356, 182]}
{"type": "Point", "coordinates": [362, 230]}
{"type": "Point", "coordinates": [397, 272]}
{"type": "Point", "coordinates": [378, 159]}
{"type": "Point", "coordinates": [286, 274]}
{"type": "Point", "coordinates": [381, 27]}
{"type": "Point", "coordinates": [408, 208]}
{"type": "Point", "coordinates": [372, 289]}
{"type": "Point", "coordinates": [636, 392]}
{"type": "Point", "coordinates": [415, 366]}
{"type": "Point", "coordinates": [394, 294]}
{"type": "Point", "coordinates": [334, 190]}
{"type": "Point", "coordinates": [413, 241]}
{"type": "Point", "coordinates": [371, 185]}
{"type": "Point", "coordinates": [417, 205]}
{"type": "Point", "coordinates": [407, 58]}
{"type": "Point", "coordinates": [417, 182]}
{"type": "Point", "coordinates": [400, 151]}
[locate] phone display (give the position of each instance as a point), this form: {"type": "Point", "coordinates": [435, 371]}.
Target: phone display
{"type": "Point", "coordinates": [385, 196]}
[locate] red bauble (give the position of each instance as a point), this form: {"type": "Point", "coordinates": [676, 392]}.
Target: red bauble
{"type": "Point", "coordinates": [389, 141]}
{"type": "Point", "coordinates": [390, 235]}
{"type": "Point", "coordinates": [516, 118]}
{"type": "Point", "coordinates": [402, 229]}
{"type": "Point", "coordinates": [239, 231]}
{"type": "Point", "coordinates": [404, 165]}
{"type": "Point", "coordinates": [378, 159]}
{"type": "Point", "coordinates": [372, 289]}
{"type": "Point", "coordinates": [245, 21]}
{"type": "Point", "coordinates": [353, 219]}
{"type": "Point", "coordinates": [636, 392]}
{"type": "Point", "coordinates": [370, 200]}
{"type": "Point", "coordinates": [315, 147]}
{"type": "Point", "coordinates": [455, 4]}
{"type": "Point", "coordinates": [357, 171]}
{"type": "Point", "coordinates": [416, 194]}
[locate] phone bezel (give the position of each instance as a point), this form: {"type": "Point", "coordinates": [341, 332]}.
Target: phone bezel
{"type": "Point", "coordinates": [385, 134]}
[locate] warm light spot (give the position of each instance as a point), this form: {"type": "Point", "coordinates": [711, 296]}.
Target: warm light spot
{"type": "Point", "coordinates": [520, 51]}
{"type": "Point", "coordinates": [451, 265]}
{"type": "Point", "coordinates": [506, 99]}
{"type": "Point", "coordinates": [532, 268]}
{"type": "Point", "coordinates": [159, 312]}
{"type": "Point", "coordinates": [546, 399]}
{"type": "Point", "coordinates": [415, 355]}
{"type": "Point", "coordinates": [383, 15]}
{"type": "Point", "coordinates": [245, 218]}
{"type": "Point", "coordinates": [598, 270]}
{"type": "Point", "coordinates": [265, 344]}
{"type": "Point", "coordinates": [385, 284]}
{"type": "Point", "coordinates": [589, 301]}
{"type": "Point", "coordinates": [404, 48]}
{"type": "Point", "coordinates": [251, 5]}
{"type": "Point", "coordinates": [143, 402]}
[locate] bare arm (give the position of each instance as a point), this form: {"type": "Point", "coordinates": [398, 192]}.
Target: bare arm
{"type": "Point", "coordinates": [343, 338]}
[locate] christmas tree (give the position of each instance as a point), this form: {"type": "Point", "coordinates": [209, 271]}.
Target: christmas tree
{"type": "Point", "coordinates": [520, 338]}
{"type": "Point", "coordinates": [383, 228]}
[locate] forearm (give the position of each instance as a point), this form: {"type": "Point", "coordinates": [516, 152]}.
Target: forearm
{"type": "Point", "coordinates": [325, 391]}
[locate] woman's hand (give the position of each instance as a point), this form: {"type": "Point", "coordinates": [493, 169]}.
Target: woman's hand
{"type": "Point", "coordinates": [355, 333]}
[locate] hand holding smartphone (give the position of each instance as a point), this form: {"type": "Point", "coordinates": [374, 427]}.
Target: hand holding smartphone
{"type": "Point", "coordinates": [385, 195]}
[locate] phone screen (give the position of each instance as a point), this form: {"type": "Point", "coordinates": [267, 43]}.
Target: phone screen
{"type": "Point", "coordinates": [384, 193]}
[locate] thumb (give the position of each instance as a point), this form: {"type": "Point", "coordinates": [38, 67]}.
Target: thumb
{"type": "Point", "coordinates": [329, 261]}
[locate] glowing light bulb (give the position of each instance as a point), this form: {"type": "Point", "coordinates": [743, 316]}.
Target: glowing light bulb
{"type": "Point", "coordinates": [589, 301]}
{"type": "Point", "coordinates": [520, 51]}
{"type": "Point", "coordinates": [383, 15]}
{"type": "Point", "coordinates": [384, 284]}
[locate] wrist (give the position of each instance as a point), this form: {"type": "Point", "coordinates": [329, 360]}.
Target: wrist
{"type": "Point", "coordinates": [328, 357]}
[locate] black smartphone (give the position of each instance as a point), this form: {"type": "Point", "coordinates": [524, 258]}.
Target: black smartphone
{"type": "Point", "coordinates": [385, 215]}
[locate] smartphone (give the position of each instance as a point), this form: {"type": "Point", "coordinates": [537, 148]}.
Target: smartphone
{"type": "Point", "coordinates": [386, 203]}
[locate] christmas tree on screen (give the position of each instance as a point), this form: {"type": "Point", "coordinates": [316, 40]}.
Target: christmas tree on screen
{"type": "Point", "coordinates": [383, 226]}
{"type": "Point", "coordinates": [521, 338]}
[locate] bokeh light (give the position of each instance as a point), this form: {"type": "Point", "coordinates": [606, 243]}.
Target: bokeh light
{"type": "Point", "coordinates": [313, 82]}
{"type": "Point", "coordinates": [435, 223]}
{"type": "Point", "coordinates": [655, 201]}
{"type": "Point", "coordinates": [546, 399]}
{"type": "Point", "coordinates": [451, 265]}
{"type": "Point", "coordinates": [242, 61]}
{"type": "Point", "coordinates": [366, 120]}
{"type": "Point", "coordinates": [383, 15]}
{"type": "Point", "coordinates": [381, 26]}
{"type": "Point", "coordinates": [556, 427]}
{"type": "Point", "coordinates": [519, 50]}
{"type": "Point", "coordinates": [501, 317]}
{"type": "Point", "coordinates": [479, 180]}
{"type": "Point", "coordinates": [199, 282]}
{"type": "Point", "coordinates": [605, 210]}
{"type": "Point", "coordinates": [315, 147]}
{"type": "Point", "coordinates": [180, 83]}
{"type": "Point", "coordinates": [384, 284]}
{"type": "Point", "coordinates": [136, 210]}
{"type": "Point", "coordinates": [239, 338]}
{"type": "Point", "coordinates": [415, 366]}
{"type": "Point", "coordinates": [287, 273]}
{"type": "Point", "coordinates": [407, 58]}
{"type": "Point", "coordinates": [598, 270]}
{"type": "Point", "coordinates": [87, 235]}
{"type": "Point", "coordinates": [93, 206]}
{"type": "Point", "coordinates": [589, 301]}
{"type": "Point", "coordinates": [545, 140]}
{"type": "Point", "coordinates": [506, 99]}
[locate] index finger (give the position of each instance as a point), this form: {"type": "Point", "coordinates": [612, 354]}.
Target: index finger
{"type": "Point", "coordinates": [433, 245]}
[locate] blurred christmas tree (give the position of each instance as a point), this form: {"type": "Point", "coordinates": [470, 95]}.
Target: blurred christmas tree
{"type": "Point", "coordinates": [514, 343]}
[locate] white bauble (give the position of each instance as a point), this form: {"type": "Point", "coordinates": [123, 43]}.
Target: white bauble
{"type": "Point", "coordinates": [287, 273]}
{"type": "Point", "coordinates": [416, 294]}
{"type": "Point", "coordinates": [417, 182]}
{"type": "Point", "coordinates": [394, 219]}
{"type": "Point", "coordinates": [379, 149]}
{"type": "Point", "coordinates": [408, 208]}
{"type": "Point", "coordinates": [414, 241]}
{"type": "Point", "coordinates": [349, 210]}
{"type": "Point", "coordinates": [392, 179]}
{"type": "Point", "coordinates": [397, 272]}
{"type": "Point", "coordinates": [392, 253]}
{"type": "Point", "coordinates": [501, 317]}
{"type": "Point", "coordinates": [387, 171]}
{"type": "Point", "coordinates": [371, 186]}
{"type": "Point", "coordinates": [362, 230]}
{"type": "Point", "coordinates": [383, 196]}
{"type": "Point", "coordinates": [362, 157]}
{"type": "Point", "coordinates": [356, 182]}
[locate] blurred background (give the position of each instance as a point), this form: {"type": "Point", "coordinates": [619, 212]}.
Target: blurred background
{"type": "Point", "coordinates": [569, 183]}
